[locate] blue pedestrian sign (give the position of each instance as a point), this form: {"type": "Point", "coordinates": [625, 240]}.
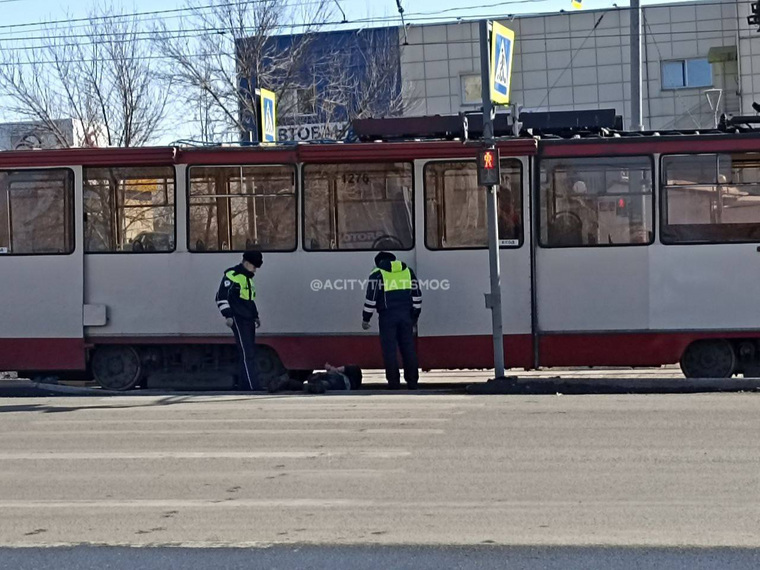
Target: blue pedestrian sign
{"type": "Point", "coordinates": [502, 48]}
{"type": "Point", "coordinates": [268, 118]}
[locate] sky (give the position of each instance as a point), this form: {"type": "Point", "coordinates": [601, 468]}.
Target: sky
{"type": "Point", "coordinates": [19, 12]}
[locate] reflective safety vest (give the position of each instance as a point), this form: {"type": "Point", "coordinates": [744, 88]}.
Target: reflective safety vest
{"type": "Point", "coordinates": [247, 287]}
{"type": "Point", "coordinates": [396, 279]}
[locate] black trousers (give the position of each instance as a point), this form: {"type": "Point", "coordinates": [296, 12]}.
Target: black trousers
{"type": "Point", "coordinates": [397, 334]}
{"type": "Point", "coordinates": [245, 337]}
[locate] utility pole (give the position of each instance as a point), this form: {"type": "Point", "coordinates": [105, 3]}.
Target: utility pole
{"type": "Point", "coordinates": [493, 299]}
{"type": "Point", "coordinates": [636, 96]}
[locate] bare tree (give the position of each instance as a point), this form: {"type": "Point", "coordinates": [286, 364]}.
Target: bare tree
{"type": "Point", "coordinates": [369, 89]}
{"type": "Point", "coordinates": [101, 75]}
{"type": "Point", "coordinates": [227, 49]}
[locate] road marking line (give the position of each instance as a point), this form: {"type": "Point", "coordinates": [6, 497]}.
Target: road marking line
{"type": "Point", "coordinates": [249, 420]}
{"type": "Point", "coordinates": [228, 502]}
{"type": "Point", "coordinates": [13, 477]}
{"type": "Point", "coordinates": [68, 455]}
{"type": "Point", "coordinates": [226, 431]}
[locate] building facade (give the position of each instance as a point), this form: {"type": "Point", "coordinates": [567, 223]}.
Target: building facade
{"type": "Point", "coordinates": [339, 76]}
{"type": "Point", "coordinates": [31, 135]}
{"type": "Point", "coordinates": [700, 59]}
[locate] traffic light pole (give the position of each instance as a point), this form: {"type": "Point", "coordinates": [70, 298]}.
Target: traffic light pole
{"type": "Point", "coordinates": [493, 300]}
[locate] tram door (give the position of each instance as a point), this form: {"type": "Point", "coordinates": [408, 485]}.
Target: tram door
{"type": "Point", "coordinates": [706, 269]}
{"type": "Point", "coordinates": [595, 235]}
{"type": "Point", "coordinates": [452, 263]}
{"type": "Point", "coordinates": [41, 271]}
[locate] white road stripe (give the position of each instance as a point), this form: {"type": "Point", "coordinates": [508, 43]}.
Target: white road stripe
{"type": "Point", "coordinates": [253, 403]}
{"type": "Point", "coordinates": [228, 502]}
{"type": "Point", "coordinates": [226, 431]}
{"type": "Point", "coordinates": [20, 476]}
{"type": "Point", "coordinates": [98, 423]}
{"type": "Point", "coordinates": [69, 455]}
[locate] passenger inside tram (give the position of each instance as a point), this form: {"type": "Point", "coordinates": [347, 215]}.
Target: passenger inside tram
{"type": "Point", "coordinates": [510, 227]}
{"type": "Point", "coordinates": [595, 204]}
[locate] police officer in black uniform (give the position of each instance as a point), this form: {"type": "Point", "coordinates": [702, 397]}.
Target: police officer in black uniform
{"type": "Point", "coordinates": [393, 291]}
{"type": "Point", "coordinates": [236, 299]}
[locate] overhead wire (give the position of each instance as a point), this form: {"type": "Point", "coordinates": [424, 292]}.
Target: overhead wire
{"type": "Point", "coordinates": [153, 13]}
{"type": "Point", "coordinates": [572, 59]}
{"type": "Point", "coordinates": [137, 36]}
{"type": "Point", "coordinates": [189, 33]}
{"type": "Point", "coordinates": [180, 33]}
{"type": "Point", "coordinates": [416, 16]}
{"type": "Point", "coordinates": [403, 23]}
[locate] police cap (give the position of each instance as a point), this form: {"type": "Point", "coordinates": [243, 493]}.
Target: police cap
{"type": "Point", "coordinates": [384, 256]}
{"type": "Point", "coordinates": [253, 257]}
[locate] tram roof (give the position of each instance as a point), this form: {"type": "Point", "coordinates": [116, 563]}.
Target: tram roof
{"type": "Point", "coordinates": [602, 143]}
{"type": "Point", "coordinates": [275, 154]}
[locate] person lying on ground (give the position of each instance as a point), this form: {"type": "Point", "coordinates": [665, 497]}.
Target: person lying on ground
{"type": "Point", "coordinates": [334, 378]}
{"type": "Point", "coordinates": [337, 378]}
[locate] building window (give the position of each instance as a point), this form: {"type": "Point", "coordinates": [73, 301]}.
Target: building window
{"type": "Point", "coordinates": [36, 212]}
{"type": "Point", "coordinates": [686, 73]}
{"type": "Point", "coordinates": [711, 198]}
{"type": "Point", "coordinates": [470, 85]}
{"type": "Point", "coordinates": [455, 206]}
{"type": "Point", "coordinates": [602, 201]}
{"type": "Point", "coordinates": [236, 208]}
{"type": "Point", "coordinates": [358, 206]}
{"type": "Point", "coordinates": [300, 102]}
{"type": "Point", "coordinates": [129, 209]}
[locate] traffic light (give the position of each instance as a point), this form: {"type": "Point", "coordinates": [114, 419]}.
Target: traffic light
{"type": "Point", "coordinates": [754, 18]}
{"type": "Point", "coordinates": [488, 168]}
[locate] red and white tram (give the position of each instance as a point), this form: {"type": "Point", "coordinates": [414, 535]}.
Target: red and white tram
{"type": "Point", "coordinates": [629, 251]}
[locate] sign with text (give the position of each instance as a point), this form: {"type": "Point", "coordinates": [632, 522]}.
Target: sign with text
{"type": "Point", "coordinates": [312, 132]}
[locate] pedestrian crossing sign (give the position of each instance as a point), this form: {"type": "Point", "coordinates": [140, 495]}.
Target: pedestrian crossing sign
{"type": "Point", "coordinates": [502, 47]}
{"type": "Point", "coordinates": [268, 117]}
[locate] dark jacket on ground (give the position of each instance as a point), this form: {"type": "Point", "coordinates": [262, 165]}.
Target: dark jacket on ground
{"type": "Point", "coordinates": [228, 296]}
{"type": "Point", "coordinates": [349, 379]}
{"type": "Point", "coordinates": [377, 299]}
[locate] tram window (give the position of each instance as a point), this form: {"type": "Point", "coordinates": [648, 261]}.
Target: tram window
{"type": "Point", "coordinates": [236, 208]}
{"type": "Point", "coordinates": [129, 209]}
{"type": "Point", "coordinates": [358, 206]}
{"type": "Point", "coordinates": [36, 212]}
{"type": "Point", "coordinates": [455, 206]}
{"type": "Point", "coordinates": [711, 198]}
{"type": "Point", "coordinates": [601, 201]}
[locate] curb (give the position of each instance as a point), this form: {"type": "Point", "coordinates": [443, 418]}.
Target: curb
{"type": "Point", "coordinates": [75, 390]}
{"type": "Point", "coordinates": [589, 385]}
{"type": "Point", "coordinates": [506, 386]}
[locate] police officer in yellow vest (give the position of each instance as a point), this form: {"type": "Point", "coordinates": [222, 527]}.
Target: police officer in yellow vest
{"type": "Point", "coordinates": [236, 299]}
{"type": "Point", "coordinates": [393, 291]}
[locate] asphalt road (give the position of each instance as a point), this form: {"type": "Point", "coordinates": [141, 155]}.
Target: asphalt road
{"type": "Point", "coordinates": [627, 473]}
{"type": "Point", "coordinates": [380, 558]}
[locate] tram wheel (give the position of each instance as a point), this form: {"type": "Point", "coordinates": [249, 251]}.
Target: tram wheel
{"type": "Point", "coordinates": [709, 359]}
{"type": "Point", "coordinates": [116, 367]}
{"type": "Point", "coordinates": [268, 363]}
